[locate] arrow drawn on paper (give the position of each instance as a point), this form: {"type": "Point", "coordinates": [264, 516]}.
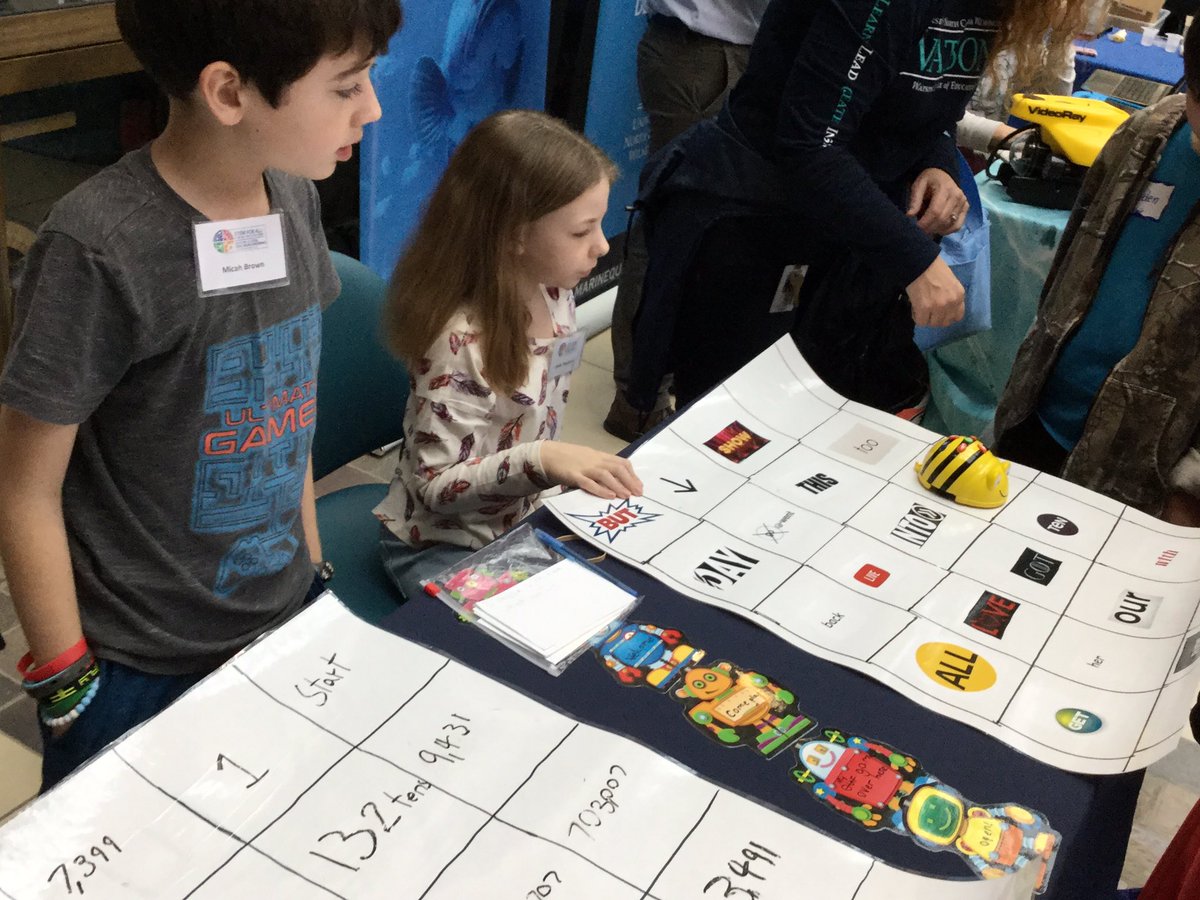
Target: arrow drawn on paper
{"type": "Point", "coordinates": [688, 488]}
{"type": "Point", "coordinates": [222, 759]}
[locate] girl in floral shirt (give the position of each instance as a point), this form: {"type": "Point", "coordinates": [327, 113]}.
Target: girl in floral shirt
{"type": "Point", "coordinates": [480, 310]}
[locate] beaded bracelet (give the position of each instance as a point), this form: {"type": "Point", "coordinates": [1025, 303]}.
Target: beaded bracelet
{"type": "Point", "coordinates": [76, 711]}
{"type": "Point", "coordinates": [66, 697]}
{"type": "Point", "coordinates": [75, 676]}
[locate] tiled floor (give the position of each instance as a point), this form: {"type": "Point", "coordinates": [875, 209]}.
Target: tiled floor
{"type": "Point", "coordinates": [20, 747]}
{"type": "Point", "coordinates": [1171, 786]}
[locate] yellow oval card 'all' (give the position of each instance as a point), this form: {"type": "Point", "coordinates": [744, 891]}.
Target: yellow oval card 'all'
{"type": "Point", "coordinates": [956, 668]}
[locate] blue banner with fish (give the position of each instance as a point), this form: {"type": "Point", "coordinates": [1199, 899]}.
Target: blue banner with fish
{"type": "Point", "coordinates": [454, 63]}
{"type": "Point", "coordinates": [615, 120]}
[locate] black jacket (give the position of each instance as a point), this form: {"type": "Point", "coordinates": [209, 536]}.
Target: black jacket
{"type": "Point", "coordinates": [842, 104]}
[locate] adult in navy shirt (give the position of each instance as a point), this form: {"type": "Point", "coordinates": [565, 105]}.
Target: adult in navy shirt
{"type": "Point", "coordinates": [834, 152]}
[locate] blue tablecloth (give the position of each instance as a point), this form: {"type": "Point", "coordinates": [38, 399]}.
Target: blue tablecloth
{"type": "Point", "coordinates": [1094, 814]}
{"type": "Point", "coordinates": [1129, 58]}
{"type": "Point", "coordinates": [968, 376]}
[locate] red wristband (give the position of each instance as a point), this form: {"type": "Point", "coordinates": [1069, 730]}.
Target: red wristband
{"type": "Point", "coordinates": [59, 663]}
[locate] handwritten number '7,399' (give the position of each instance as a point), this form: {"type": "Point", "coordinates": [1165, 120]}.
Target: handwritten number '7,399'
{"type": "Point", "coordinates": [75, 885]}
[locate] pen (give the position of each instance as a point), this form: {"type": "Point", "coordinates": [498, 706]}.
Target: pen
{"type": "Point", "coordinates": [564, 551]}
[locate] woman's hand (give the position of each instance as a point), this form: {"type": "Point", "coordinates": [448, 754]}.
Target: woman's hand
{"type": "Point", "coordinates": [600, 474]}
{"type": "Point", "coordinates": [938, 204]}
{"type": "Point", "coordinates": [936, 296]}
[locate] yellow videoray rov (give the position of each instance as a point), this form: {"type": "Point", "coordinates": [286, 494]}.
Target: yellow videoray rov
{"type": "Point", "coordinates": [965, 471]}
{"type": "Point", "coordinates": [1049, 159]}
{"type": "Point", "coordinates": [1075, 128]}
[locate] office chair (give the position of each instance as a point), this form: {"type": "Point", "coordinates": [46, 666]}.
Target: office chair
{"type": "Point", "coordinates": [361, 393]}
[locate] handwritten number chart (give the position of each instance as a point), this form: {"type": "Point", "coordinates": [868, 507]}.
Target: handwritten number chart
{"type": "Point", "coordinates": [1062, 623]}
{"type": "Point", "coordinates": [333, 759]}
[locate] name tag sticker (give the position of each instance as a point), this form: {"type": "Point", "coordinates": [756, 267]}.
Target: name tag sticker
{"type": "Point", "coordinates": [1155, 200]}
{"type": "Point", "coordinates": [787, 294]}
{"type": "Point", "coordinates": [566, 353]}
{"type": "Point", "coordinates": [237, 254]}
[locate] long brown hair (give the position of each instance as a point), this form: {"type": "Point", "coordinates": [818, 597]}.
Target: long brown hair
{"type": "Point", "coordinates": [1032, 29]}
{"type": "Point", "coordinates": [511, 169]}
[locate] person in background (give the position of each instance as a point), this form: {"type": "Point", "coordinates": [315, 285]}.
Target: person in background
{"type": "Point", "coordinates": [1179, 11]}
{"type": "Point", "coordinates": [156, 417]}
{"type": "Point", "coordinates": [831, 153]}
{"type": "Point", "coordinates": [688, 60]}
{"type": "Point", "coordinates": [1176, 876]}
{"type": "Point", "coordinates": [1105, 390]}
{"type": "Point", "coordinates": [1055, 75]}
{"type": "Point", "coordinates": [981, 134]}
{"type": "Point", "coordinates": [985, 123]}
{"type": "Point", "coordinates": [480, 310]}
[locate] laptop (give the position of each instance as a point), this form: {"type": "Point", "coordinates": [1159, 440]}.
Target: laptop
{"type": "Point", "coordinates": [1129, 89]}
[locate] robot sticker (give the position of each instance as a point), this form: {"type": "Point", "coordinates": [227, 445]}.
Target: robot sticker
{"type": "Point", "coordinates": [638, 653]}
{"type": "Point", "coordinates": [884, 789]}
{"type": "Point", "coordinates": [994, 840]}
{"type": "Point", "coordinates": [860, 779]}
{"type": "Point", "coordinates": [881, 788]}
{"type": "Point", "coordinates": [742, 708]}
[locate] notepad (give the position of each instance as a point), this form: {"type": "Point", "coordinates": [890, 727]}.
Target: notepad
{"type": "Point", "coordinates": [556, 612]}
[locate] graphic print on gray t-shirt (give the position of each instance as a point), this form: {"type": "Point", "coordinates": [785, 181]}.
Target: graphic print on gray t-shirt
{"type": "Point", "coordinates": [263, 389]}
{"type": "Point", "coordinates": [195, 415]}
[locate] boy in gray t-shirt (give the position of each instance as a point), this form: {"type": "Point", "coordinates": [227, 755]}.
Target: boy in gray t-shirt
{"type": "Point", "coordinates": [158, 400]}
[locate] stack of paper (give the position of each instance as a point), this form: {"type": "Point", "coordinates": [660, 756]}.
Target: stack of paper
{"type": "Point", "coordinates": [550, 616]}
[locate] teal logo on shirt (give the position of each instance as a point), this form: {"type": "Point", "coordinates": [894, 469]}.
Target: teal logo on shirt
{"type": "Point", "coordinates": [959, 54]}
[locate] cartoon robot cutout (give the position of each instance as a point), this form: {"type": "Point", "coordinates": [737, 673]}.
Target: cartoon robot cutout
{"type": "Point", "coordinates": [882, 788]}
{"type": "Point", "coordinates": [737, 707]}
{"type": "Point", "coordinates": [860, 779]}
{"type": "Point", "coordinates": [994, 840]}
{"type": "Point", "coordinates": [640, 653]}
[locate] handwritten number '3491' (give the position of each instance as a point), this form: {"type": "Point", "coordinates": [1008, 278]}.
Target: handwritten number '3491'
{"type": "Point", "coordinates": [742, 869]}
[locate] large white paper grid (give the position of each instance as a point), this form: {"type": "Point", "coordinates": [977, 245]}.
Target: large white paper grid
{"type": "Point", "coordinates": [333, 759]}
{"type": "Point", "coordinates": [1063, 623]}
